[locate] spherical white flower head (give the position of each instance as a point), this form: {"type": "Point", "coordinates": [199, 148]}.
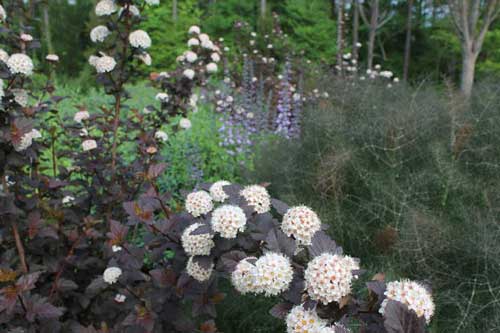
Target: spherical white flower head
{"type": "Point", "coordinates": [4, 56]}
{"type": "Point", "coordinates": [119, 298]}
{"type": "Point", "coordinates": [67, 199]}
{"type": "Point", "coordinates": [27, 140]}
{"type": "Point", "coordinates": [111, 274]}
{"type": "Point", "coordinates": [105, 8]}
{"type": "Point", "coordinates": [52, 58]}
{"type": "Point", "coordinates": [185, 123]}
{"type": "Point", "coordinates": [199, 203]}
{"type": "Point", "coordinates": [3, 14]}
{"type": "Point", "coordinates": [217, 190]}
{"type": "Point", "coordinates": [190, 56]}
{"type": "Point", "coordinates": [243, 277]}
{"type": "Point", "coordinates": [162, 97]}
{"type": "Point", "coordinates": [116, 248]}
{"type": "Point", "coordinates": [153, 2]}
{"type": "Point", "coordinates": [300, 320]}
{"type": "Point", "coordinates": [145, 58]}
{"type": "Point", "coordinates": [257, 197]}
{"type": "Point", "coordinates": [193, 42]}
{"type": "Point", "coordinates": [215, 57]}
{"type": "Point", "coordinates": [162, 136]}
{"type": "Point", "coordinates": [228, 220]}
{"type": "Point", "coordinates": [204, 37]}
{"type": "Point", "coordinates": [81, 116]}
{"type": "Point", "coordinates": [197, 272]}
{"type": "Point", "coordinates": [386, 74]}
{"type": "Point", "coordinates": [26, 38]}
{"type": "Point", "coordinates": [302, 223]}
{"type": "Point", "coordinates": [105, 64]}
{"type": "Point", "coordinates": [328, 277]}
{"type": "Point", "coordinates": [378, 67]}
{"type": "Point", "coordinates": [189, 73]}
{"type": "Point", "coordinates": [412, 294]}
{"type": "Point", "coordinates": [212, 67]}
{"type": "Point", "coordinates": [20, 63]}
{"type": "Point", "coordinates": [273, 273]}
{"type": "Point", "coordinates": [88, 145]}
{"type": "Point", "coordinates": [207, 44]}
{"type": "Point", "coordinates": [196, 245]}
{"type": "Point", "coordinates": [140, 39]}
{"type": "Point", "coordinates": [99, 34]}
{"type": "Point", "coordinates": [20, 97]}
{"type": "Point", "coordinates": [93, 60]}
{"type": "Point", "coordinates": [194, 30]}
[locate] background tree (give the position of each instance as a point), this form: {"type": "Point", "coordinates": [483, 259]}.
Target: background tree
{"type": "Point", "coordinates": [407, 54]}
{"type": "Point", "coordinates": [472, 20]}
{"type": "Point", "coordinates": [377, 20]}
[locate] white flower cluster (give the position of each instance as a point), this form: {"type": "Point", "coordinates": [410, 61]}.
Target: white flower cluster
{"type": "Point", "coordinates": [4, 56]}
{"type": "Point", "coordinates": [197, 272]}
{"type": "Point", "coordinates": [412, 294]}
{"type": "Point", "coordinates": [99, 34]}
{"type": "Point", "coordinates": [228, 220]}
{"type": "Point", "coordinates": [273, 274]}
{"type": "Point", "coordinates": [111, 274]}
{"type": "Point", "coordinates": [88, 145]}
{"type": "Point", "coordinates": [196, 245]}
{"type": "Point", "coordinates": [105, 8]}
{"type": "Point", "coordinates": [302, 223]}
{"type": "Point", "coordinates": [185, 123]}
{"type": "Point", "coordinates": [328, 277]}
{"type": "Point", "coordinates": [20, 63]}
{"type": "Point", "coordinates": [243, 277]}
{"type": "Point", "coordinates": [257, 197]}
{"type": "Point", "coordinates": [162, 136]}
{"type": "Point", "coordinates": [81, 116]}
{"type": "Point", "coordinates": [189, 73]}
{"type": "Point", "coordinates": [140, 39]}
{"type": "Point", "coordinates": [103, 64]}
{"type": "Point", "coordinates": [199, 203]}
{"type": "Point", "coordinates": [20, 96]}
{"type": "Point", "coordinates": [300, 320]}
{"type": "Point", "coordinates": [52, 58]}
{"type": "Point", "coordinates": [153, 2]}
{"type": "Point", "coordinates": [27, 140]}
{"type": "Point", "coordinates": [3, 14]}
{"type": "Point", "coordinates": [217, 190]}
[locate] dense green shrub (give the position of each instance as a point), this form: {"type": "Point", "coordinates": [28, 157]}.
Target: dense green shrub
{"type": "Point", "coordinates": [407, 178]}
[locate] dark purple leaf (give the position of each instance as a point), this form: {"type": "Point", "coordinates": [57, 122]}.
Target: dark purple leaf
{"type": "Point", "coordinates": [280, 206]}
{"type": "Point", "coordinates": [281, 310]}
{"type": "Point", "coordinates": [277, 241]}
{"type": "Point", "coordinates": [322, 243]}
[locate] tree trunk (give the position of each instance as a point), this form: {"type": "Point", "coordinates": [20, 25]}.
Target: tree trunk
{"type": "Point", "coordinates": [263, 8]}
{"type": "Point", "coordinates": [468, 71]}
{"type": "Point", "coordinates": [372, 33]}
{"type": "Point", "coordinates": [406, 65]}
{"type": "Point", "coordinates": [174, 10]}
{"type": "Point", "coordinates": [355, 31]}
{"type": "Point", "coordinates": [340, 32]}
{"type": "Point", "coordinates": [46, 28]}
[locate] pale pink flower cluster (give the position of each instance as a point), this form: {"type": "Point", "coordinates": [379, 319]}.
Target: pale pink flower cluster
{"type": "Point", "coordinates": [197, 272]}
{"type": "Point", "coordinates": [328, 277]}
{"type": "Point", "coordinates": [257, 197]}
{"type": "Point", "coordinates": [196, 245]}
{"type": "Point", "coordinates": [412, 294]}
{"type": "Point", "coordinates": [199, 203]}
{"type": "Point", "coordinates": [217, 190]}
{"type": "Point", "coordinates": [302, 223]}
{"type": "Point", "coordinates": [228, 220]}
